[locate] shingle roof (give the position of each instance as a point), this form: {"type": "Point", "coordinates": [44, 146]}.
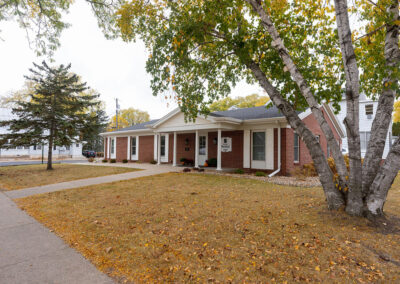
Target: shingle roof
{"type": "Point", "coordinates": [249, 113]}
{"type": "Point", "coordinates": [138, 126]}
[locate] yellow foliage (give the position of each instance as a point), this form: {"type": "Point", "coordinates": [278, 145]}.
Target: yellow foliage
{"type": "Point", "coordinates": [396, 115]}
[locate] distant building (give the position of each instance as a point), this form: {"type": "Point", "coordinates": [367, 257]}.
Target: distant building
{"type": "Point", "coordinates": [367, 114]}
{"type": "Point", "coordinates": [72, 151]}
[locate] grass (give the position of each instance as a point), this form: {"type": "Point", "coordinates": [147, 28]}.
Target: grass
{"type": "Point", "coordinates": [205, 228]}
{"type": "Point", "coordinates": [18, 177]}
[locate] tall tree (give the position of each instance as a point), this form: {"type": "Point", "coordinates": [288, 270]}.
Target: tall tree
{"type": "Point", "coordinates": [200, 49]}
{"type": "Point", "coordinates": [55, 113]}
{"type": "Point", "coordinates": [128, 117]}
{"type": "Point", "coordinates": [239, 102]}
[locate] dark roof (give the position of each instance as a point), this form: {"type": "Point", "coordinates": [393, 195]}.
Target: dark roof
{"type": "Point", "coordinates": [138, 126]}
{"type": "Point", "coordinates": [249, 113]}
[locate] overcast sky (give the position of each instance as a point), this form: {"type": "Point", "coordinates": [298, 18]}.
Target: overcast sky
{"type": "Point", "coordinates": [114, 68]}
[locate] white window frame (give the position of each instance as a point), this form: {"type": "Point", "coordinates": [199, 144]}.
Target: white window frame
{"type": "Point", "coordinates": [135, 156]}
{"type": "Point", "coordinates": [259, 164]}
{"type": "Point", "coordinates": [164, 158]}
{"type": "Point", "coordinates": [113, 147]}
{"type": "Point", "coordinates": [296, 148]}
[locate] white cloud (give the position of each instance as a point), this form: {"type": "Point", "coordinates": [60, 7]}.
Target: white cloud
{"type": "Point", "coordinates": [115, 68]}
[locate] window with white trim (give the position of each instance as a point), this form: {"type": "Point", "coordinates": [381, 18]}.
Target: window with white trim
{"type": "Point", "coordinates": [369, 111]}
{"type": "Point", "coordinates": [112, 145]}
{"type": "Point", "coordinates": [296, 148]}
{"type": "Point", "coordinates": [133, 146]}
{"type": "Point", "coordinates": [162, 146]}
{"type": "Point", "coordinates": [258, 146]}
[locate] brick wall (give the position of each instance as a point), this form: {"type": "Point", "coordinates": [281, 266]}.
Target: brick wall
{"type": "Point", "coordinates": [305, 156]}
{"type": "Point", "coordinates": [146, 148]}
{"type": "Point", "coordinates": [121, 148]}
{"type": "Point", "coordinates": [232, 159]}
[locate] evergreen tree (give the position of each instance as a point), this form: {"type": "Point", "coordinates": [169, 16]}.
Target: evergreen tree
{"type": "Point", "coordinates": [55, 113]}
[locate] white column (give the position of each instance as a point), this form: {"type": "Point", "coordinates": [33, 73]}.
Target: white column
{"type": "Point", "coordinates": [174, 155]}
{"type": "Point", "coordinates": [155, 156]}
{"type": "Point", "coordinates": [246, 149]}
{"type": "Point", "coordinates": [219, 168]}
{"type": "Point", "coordinates": [105, 147]}
{"type": "Point", "coordinates": [109, 148]}
{"type": "Point", "coordinates": [128, 144]}
{"type": "Point", "coordinates": [159, 149]}
{"type": "Point", "coordinates": [196, 150]}
{"type": "Point", "coordinates": [279, 146]}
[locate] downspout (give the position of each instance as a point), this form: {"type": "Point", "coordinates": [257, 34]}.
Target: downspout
{"type": "Point", "coordinates": [279, 153]}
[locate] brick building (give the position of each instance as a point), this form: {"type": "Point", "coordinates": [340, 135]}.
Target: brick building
{"type": "Point", "coordinates": [257, 138]}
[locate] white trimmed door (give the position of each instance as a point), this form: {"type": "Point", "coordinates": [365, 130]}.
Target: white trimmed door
{"type": "Point", "coordinates": [203, 149]}
{"type": "Point", "coordinates": [164, 148]}
{"type": "Point", "coordinates": [135, 148]}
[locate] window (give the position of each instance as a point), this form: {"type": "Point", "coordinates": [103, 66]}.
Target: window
{"type": "Point", "coordinates": [296, 148]}
{"type": "Point", "coordinates": [364, 138]}
{"type": "Point", "coordinates": [133, 146]}
{"type": "Point", "coordinates": [162, 146]}
{"type": "Point", "coordinates": [318, 138]}
{"type": "Point", "coordinates": [77, 145]}
{"type": "Point", "coordinates": [202, 145]}
{"type": "Point", "coordinates": [369, 111]}
{"type": "Point", "coordinates": [258, 146]}
{"type": "Point", "coordinates": [112, 145]}
{"type": "Point", "coordinates": [67, 148]}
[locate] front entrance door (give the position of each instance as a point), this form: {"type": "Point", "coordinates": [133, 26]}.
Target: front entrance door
{"type": "Point", "coordinates": [202, 149]}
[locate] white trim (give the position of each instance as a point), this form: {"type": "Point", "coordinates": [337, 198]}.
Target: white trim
{"type": "Point", "coordinates": [155, 148]}
{"type": "Point", "coordinates": [164, 159]}
{"type": "Point", "coordinates": [158, 149]}
{"type": "Point", "coordinates": [174, 151]}
{"type": "Point", "coordinates": [166, 117]}
{"type": "Point", "coordinates": [219, 156]}
{"type": "Point", "coordinates": [196, 150]}
{"type": "Point", "coordinates": [246, 149]}
{"type": "Point", "coordinates": [136, 156]}
{"type": "Point", "coordinates": [128, 144]}
{"type": "Point", "coordinates": [339, 129]}
{"type": "Point", "coordinates": [202, 159]}
{"type": "Point", "coordinates": [256, 164]}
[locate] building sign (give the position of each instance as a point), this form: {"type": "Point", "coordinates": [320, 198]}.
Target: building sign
{"type": "Point", "coordinates": [226, 145]}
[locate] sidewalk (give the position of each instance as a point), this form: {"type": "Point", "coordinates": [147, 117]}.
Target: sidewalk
{"type": "Point", "coordinates": [148, 170]}
{"type": "Point", "coordinates": [30, 253]}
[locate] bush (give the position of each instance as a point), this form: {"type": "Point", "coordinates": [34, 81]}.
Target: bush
{"type": "Point", "coordinates": [113, 161]}
{"type": "Point", "coordinates": [182, 160]}
{"type": "Point", "coordinates": [212, 162]}
{"type": "Point", "coordinates": [124, 161]}
{"type": "Point", "coordinates": [153, 162]}
{"type": "Point", "coordinates": [260, 174]}
{"type": "Point", "coordinates": [239, 171]}
{"type": "Point", "coordinates": [91, 160]}
{"type": "Point", "coordinates": [100, 154]}
{"type": "Point", "coordinates": [104, 160]}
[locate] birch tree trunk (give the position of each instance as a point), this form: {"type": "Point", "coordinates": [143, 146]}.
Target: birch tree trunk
{"type": "Point", "coordinates": [383, 117]}
{"type": "Point", "coordinates": [334, 197]}
{"type": "Point", "coordinates": [304, 88]}
{"type": "Point", "coordinates": [383, 181]}
{"type": "Point", "coordinates": [354, 200]}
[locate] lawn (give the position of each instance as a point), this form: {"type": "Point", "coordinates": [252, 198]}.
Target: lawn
{"type": "Point", "coordinates": [18, 177]}
{"type": "Point", "coordinates": [205, 228]}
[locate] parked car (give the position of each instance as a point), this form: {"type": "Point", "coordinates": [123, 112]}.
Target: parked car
{"type": "Point", "coordinates": [89, 153]}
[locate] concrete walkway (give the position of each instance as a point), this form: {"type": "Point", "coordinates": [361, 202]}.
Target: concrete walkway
{"type": "Point", "coordinates": [147, 170]}
{"type": "Point", "coordinates": [30, 253]}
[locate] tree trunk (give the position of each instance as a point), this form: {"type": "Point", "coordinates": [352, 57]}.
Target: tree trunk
{"type": "Point", "coordinates": [334, 198]}
{"type": "Point", "coordinates": [50, 152]}
{"type": "Point", "coordinates": [354, 199]}
{"type": "Point", "coordinates": [383, 117]}
{"type": "Point", "coordinates": [278, 44]}
{"type": "Point", "coordinates": [383, 181]}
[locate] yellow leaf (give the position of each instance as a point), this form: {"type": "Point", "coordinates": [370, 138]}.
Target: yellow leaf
{"type": "Point", "coordinates": [317, 268]}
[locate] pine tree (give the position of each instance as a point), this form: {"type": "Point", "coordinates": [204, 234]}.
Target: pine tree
{"type": "Point", "coordinates": [55, 113]}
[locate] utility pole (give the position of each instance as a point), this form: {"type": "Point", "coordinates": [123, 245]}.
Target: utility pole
{"type": "Point", "coordinates": [116, 113]}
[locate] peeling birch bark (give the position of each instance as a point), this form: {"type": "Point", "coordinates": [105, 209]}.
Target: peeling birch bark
{"type": "Point", "coordinates": [383, 117]}
{"type": "Point", "coordinates": [334, 197]}
{"type": "Point", "coordinates": [354, 200]}
{"type": "Point", "coordinates": [304, 88]}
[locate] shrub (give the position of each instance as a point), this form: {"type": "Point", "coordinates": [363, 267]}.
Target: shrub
{"type": "Point", "coordinates": [260, 174]}
{"type": "Point", "coordinates": [239, 171]}
{"type": "Point", "coordinates": [113, 161]}
{"type": "Point", "coordinates": [91, 160]}
{"type": "Point", "coordinates": [124, 161]}
{"type": "Point", "coordinates": [182, 160]}
{"type": "Point", "coordinates": [212, 162]}
{"type": "Point", "coordinates": [153, 162]}
{"type": "Point", "coordinates": [104, 160]}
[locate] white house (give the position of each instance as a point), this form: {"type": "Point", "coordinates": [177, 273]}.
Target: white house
{"type": "Point", "coordinates": [72, 151]}
{"type": "Point", "coordinates": [367, 114]}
